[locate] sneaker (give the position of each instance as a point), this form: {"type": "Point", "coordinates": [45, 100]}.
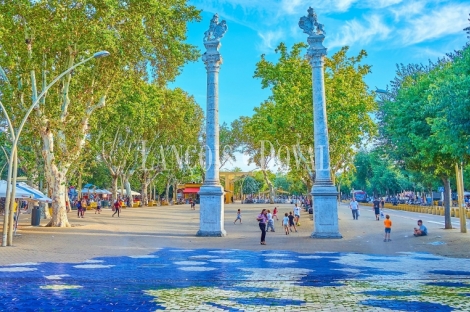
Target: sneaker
{"type": "Point", "coordinates": [385, 240]}
{"type": "Point", "coordinates": [389, 240]}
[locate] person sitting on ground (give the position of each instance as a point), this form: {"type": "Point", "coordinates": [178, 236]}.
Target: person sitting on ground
{"type": "Point", "coordinates": [421, 230]}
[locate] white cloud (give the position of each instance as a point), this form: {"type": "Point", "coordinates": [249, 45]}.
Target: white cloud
{"type": "Point", "coordinates": [343, 5]}
{"type": "Point", "coordinates": [408, 10]}
{"type": "Point", "coordinates": [401, 23]}
{"type": "Point", "coordinates": [371, 29]}
{"type": "Point", "coordinates": [438, 23]}
{"type": "Point", "coordinates": [380, 4]}
{"type": "Point", "coordinates": [269, 40]}
{"type": "Point", "coordinates": [291, 6]}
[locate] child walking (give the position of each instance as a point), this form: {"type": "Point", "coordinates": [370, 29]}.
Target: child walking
{"type": "Point", "coordinates": [270, 221]}
{"type": "Point", "coordinates": [239, 217]}
{"type": "Point", "coordinates": [275, 214]}
{"type": "Point", "coordinates": [291, 222]}
{"type": "Point", "coordinates": [388, 228]}
{"type": "Point", "coordinates": [285, 223]}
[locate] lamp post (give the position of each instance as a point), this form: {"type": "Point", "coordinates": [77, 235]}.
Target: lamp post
{"type": "Point", "coordinates": [7, 236]}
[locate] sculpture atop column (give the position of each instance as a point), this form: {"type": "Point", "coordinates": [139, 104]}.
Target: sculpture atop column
{"type": "Point", "coordinates": [211, 193]}
{"type": "Point", "coordinates": [324, 192]}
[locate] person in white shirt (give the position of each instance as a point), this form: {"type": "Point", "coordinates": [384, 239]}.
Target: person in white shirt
{"type": "Point", "coordinates": [354, 205]}
{"type": "Point", "coordinates": [296, 214]}
{"type": "Point", "coordinates": [270, 221]}
{"type": "Point", "coordinates": [285, 223]}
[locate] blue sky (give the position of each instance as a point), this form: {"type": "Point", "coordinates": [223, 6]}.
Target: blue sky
{"type": "Point", "coordinates": [391, 31]}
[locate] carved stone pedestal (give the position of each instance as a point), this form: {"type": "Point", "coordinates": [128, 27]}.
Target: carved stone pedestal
{"type": "Point", "coordinates": [212, 211]}
{"type": "Point", "coordinates": [325, 214]}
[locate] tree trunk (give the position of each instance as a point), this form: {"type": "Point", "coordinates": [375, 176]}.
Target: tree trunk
{"type": "Point", "coordinates": [175, 193]}
{"type": "Point", "coordinates": [167, 191]}
{"type": "Point", "coordinates": [271, 187]}
{"type": "Point", "coordinates": [115, 187]}
{"type": "Point", "coordinates": [447, 200]}
{"type": "Point", "coordinates": [144, 198]}
{"type": "Point", "coordinates": [56, 180]}
{"type": "Point", "coordinates": [59, 211]}
{"type": "Point", "coordinates": [79, 186]}
{"type": "Point", "coordinates": [128, 189]}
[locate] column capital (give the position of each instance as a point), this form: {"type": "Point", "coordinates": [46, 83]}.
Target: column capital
{"type": "Point", "coordinates": [212, 60]}
{"type": "Point", "coordinates": [316, 50]}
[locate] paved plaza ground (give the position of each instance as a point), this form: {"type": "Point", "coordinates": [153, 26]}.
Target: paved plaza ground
{"type": "Point", "coordinates": [150, 259]}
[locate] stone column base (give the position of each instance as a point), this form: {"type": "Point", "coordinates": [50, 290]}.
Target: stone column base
{"type": "Point", "coordinates": [325, 212]}
{"type": "Point", "coordinates": [211, 222]}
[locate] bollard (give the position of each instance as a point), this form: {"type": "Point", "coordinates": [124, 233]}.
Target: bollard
{"type": "Point", "coordinates": [441, 210]}
{"type": "Point", "coordinates": [452, 212]}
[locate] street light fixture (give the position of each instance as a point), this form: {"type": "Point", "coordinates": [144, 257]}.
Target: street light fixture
{"type": "Point", "coordinates": [12, 172]}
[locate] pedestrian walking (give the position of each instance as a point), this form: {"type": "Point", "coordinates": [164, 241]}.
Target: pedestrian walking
{"type": "Point", "coordinates": [285, 223]}
{"type": "Point", "coordinates": [117, 208]}
{"type": "Point", "coordinates": [270, 221]}
{"type": "Point", "coordinates": [296, 214]}
{"type": "Point", "coordinates": [354, 206]}
{"type": "Point", "coordinates": [377, 209]}
{"type": "Point", "coordinates": [98, 207]}
{"type": "Point", "coordinates": [388, 228]}
{"type": "Point", "coordinates": [291, 222]}
{"type": "Point", "coordinates": [78, 204]}
{"type": "Point", "coordinates": [275, 214]}
{"type": "Point", "coordinates": [239, 217]}
{"type": "Point", "coordinates": [262, 219]}
{"type": "Point", "coordinates": [84, 205]}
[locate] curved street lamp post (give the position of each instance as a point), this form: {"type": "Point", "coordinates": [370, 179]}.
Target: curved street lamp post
{"type": "Point", "coordinates": [7, 237]}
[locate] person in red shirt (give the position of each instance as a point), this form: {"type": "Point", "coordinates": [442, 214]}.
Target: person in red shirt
{"type": "Point", "coordinates": [117, 207]}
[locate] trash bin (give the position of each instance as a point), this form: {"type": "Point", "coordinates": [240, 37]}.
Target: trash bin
{"type": "Point", "coordinates": [35, 216]}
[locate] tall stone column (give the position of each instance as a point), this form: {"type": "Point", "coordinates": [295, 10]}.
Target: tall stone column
{"type": "Point", "coordinates": [212, 193]}
{"type": "Point", "coordinates": [324, 192]}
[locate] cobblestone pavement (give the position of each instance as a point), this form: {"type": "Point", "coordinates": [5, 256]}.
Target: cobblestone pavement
{"type": "Point", "coordinates": [240, 280]}
{"type": "Point", "coordinates": [149, 259]}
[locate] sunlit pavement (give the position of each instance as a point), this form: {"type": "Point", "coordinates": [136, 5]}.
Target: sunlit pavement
{"type": "Point", "coordinates": [117, 269]}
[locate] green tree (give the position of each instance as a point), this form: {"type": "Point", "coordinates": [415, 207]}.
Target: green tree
{"type": "Point", "coordinates": [47, 37]}
{"type": "Point", "coordinates": [285, 119]}
{"type": "Point", "coordinates": [406, 126]}
{"type": "Point", "coordinates": [250, 186]}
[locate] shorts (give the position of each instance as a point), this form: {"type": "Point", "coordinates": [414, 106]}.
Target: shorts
{"type": "Point", "coordinates": [298, 216]}
{"type": "Point", "coordinates": [388, 230]}
{"type": "Point", "coordinates": [291, 223]}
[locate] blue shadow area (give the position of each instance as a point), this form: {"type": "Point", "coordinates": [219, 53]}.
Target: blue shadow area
{"type": "Point", "coordinates": [449, 272]}
{"type": "Point", "coordinates": [401, 305]}
{"type": "Point", "coordinates": [449, 284]}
